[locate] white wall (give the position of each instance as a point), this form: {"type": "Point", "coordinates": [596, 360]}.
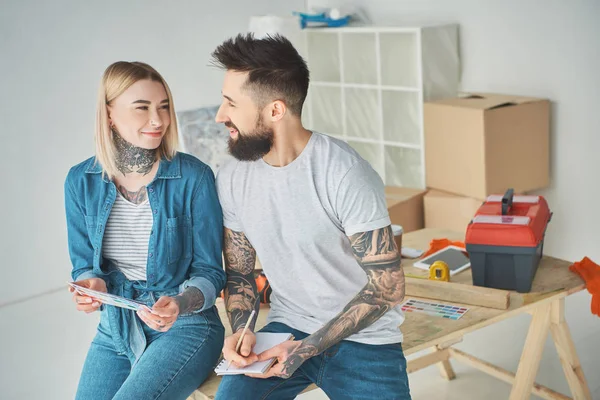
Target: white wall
{"type": "Point", "coordinates": [52, 55]}
{"type": "Point", "coordinates": [551, 49]}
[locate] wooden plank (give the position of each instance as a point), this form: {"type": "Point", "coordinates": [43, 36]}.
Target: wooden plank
{"type": "Point", "coordinates": [421, 331]}
{"type": "Point", "coordinates": [566, 352]}
{"type": "Point", "coordinates": [532, 354]}
{"type": "Point", "coordinates": [502, 374]}
{"type": "Point", "coordinates": [427, 360]}
{"type": "Point", "coordinates": [458, 293]}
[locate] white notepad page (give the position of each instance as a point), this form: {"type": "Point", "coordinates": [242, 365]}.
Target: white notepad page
{"type": "Point", "coordinates": [264, 341]}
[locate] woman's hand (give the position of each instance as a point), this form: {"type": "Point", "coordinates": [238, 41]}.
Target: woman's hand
{"type": "Point", "coordinates": [85, 303]}
{"type": "Point", "coordinates": [164, 314]}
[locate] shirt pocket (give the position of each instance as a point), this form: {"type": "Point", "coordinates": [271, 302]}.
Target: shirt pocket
{"type": "Point", "coordinates": [91, 222]}
{"type": "Point", "coordinates": [179, 238]}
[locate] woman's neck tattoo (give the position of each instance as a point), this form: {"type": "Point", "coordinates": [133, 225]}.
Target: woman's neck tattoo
{"type": "Point", "coordinates": [131, 158]}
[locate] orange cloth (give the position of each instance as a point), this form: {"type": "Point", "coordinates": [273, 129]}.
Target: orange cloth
{"type": "Point", "coordinates": [438, 244]}
{"type": "Point", "coordinates": [590, 273]}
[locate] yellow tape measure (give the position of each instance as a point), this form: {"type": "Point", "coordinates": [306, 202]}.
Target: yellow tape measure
{"type": "Point", "coordinates": [439, 271]}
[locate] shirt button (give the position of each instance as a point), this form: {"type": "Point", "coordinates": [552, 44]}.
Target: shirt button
{"type": "Point", "coordinates": [151, 255]}
{"type": "Point", "coordinates": [155, 211]}
{"type": "Point", "coordinates": [151, 190]}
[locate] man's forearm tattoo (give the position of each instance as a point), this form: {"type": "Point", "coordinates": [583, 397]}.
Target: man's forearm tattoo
{"type": "Point", "coordinates": [241, 294]}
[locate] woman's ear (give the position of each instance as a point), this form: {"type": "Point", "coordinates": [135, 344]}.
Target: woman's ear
{"type": "Point", "coordinates": [108, 113]}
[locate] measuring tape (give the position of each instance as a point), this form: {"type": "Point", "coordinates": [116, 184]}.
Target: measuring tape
{"type": "Point", "coordinates": [439, 271]}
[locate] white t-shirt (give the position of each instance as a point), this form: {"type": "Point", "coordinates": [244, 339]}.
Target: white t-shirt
{"type": "Point", "coordinates": [298, 219]}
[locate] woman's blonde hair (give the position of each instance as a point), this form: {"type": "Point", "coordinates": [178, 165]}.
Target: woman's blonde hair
{"type": "Point", "coordinates": [117, 78]}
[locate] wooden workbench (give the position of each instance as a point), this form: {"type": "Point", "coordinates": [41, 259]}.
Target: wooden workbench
{"type": "Point", "coordinates": [552, 284]}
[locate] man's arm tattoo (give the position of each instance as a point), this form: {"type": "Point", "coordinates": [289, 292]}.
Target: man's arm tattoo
{"type": "Point", "coordinates": [241, 294]}
{"type": "Point", "coordinates": [192, 299]}
{"type": "Point", "coordinates": [377, 253]}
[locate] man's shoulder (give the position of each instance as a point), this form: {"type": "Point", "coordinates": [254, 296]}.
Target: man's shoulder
{"type": "Point", "coordinates": [339, 156]}
{"type": "Point", "coordinates": [337, 147]}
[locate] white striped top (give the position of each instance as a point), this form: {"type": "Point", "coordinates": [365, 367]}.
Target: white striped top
{"type": "Point", "coordinates": [126, 237]}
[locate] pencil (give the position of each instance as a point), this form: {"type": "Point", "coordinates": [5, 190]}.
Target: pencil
{"type": "Point", "coordinates": [239, 342]}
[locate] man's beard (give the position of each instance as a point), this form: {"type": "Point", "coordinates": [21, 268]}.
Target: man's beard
{"type": "Point", "coordinates": [253, 145]}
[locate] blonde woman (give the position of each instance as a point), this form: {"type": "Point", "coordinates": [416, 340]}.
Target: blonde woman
{"type": "Point", "coordinates": [144, 222]}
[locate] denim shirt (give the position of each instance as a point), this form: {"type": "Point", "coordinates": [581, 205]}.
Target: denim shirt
{"type": "Point", "coordinates": [186, 238]}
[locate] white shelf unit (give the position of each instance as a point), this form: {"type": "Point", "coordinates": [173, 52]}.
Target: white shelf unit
{"type": "Point", "coordinates": [368, 86]}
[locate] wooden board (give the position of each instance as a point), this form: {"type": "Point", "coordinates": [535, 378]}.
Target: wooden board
{"type": "Point", "coordinates": [457, 293]}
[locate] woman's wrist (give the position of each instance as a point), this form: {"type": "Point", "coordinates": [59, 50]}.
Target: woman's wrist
{"type": "Point", "coordinates": [190, 300]}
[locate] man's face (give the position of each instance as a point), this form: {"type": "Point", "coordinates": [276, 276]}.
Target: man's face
{"type": "Point", "coordinates": [249, 136]}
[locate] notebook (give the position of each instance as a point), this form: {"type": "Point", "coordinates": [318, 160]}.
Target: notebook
{"type": "Point", "coordinates": [264, 341]}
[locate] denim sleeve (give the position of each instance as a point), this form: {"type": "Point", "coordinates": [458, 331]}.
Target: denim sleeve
{"type": "Point", "coordinates": [81, 250]}
{"type": "Point", "coordinates": [207, 273]}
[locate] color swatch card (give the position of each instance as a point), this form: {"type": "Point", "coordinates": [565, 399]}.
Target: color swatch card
{"type": "Point", "coordinates": [436, 309]}
{"type": "Point", "coordinates": [111, 299]}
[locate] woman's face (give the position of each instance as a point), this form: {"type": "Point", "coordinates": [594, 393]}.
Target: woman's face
{"type": "Point", "coordinates": [141, 114]}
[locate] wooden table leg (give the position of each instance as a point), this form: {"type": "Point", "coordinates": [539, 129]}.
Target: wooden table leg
{"type": "Point", "coordinates": [566, 352]}
{"type": "Point", "coordinates": [532, 353]}
{"type": "Point", "coordinates": [445, 367]}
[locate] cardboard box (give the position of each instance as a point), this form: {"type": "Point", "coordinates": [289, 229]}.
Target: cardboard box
{"type": "Point", "coordinates": [405, 206]}
{"type": "Point", "coordinates": [449, 211]}
{"type": "Point", "coordinates": [486, 143]}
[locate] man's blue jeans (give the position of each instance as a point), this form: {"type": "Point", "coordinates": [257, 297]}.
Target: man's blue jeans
{"type": "Point", "coordinates": [347, 370]}
{"type": "Point", "coordinates": [173, 365]}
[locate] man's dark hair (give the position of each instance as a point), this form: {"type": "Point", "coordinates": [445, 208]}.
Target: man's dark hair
{"type": "Point", "coordinates": [276, 71]}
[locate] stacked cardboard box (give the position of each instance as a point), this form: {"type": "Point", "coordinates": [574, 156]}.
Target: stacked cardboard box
{"type": "Point", "coordinates": [482, 144]}
{"type": "Point", "coordinates": [449, 211]}
{"type": "Point", "coordinates": [405, 206]}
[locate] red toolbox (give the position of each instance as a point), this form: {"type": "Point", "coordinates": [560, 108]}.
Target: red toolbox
{"type": "Point", "coordinates": [505, 241]}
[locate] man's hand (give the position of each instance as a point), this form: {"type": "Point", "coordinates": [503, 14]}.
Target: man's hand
{"type": "Point", "coordinates": [290, 355]}
{"type": "Point", "coordinates": [164, 314]}
{"type": "Point", "coordinates": [85, 303]}
{"type": "Point", "coordinates": [246, 356]}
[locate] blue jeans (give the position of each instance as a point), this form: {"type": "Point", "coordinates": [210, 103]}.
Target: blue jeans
{"type": "Point", "coordinates": [347, 370]}
{"type": "Point", "coordinates": [174, 364]}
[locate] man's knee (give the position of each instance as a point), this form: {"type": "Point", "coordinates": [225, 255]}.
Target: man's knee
{"type": "Point", "coordinates": [234, 387]}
